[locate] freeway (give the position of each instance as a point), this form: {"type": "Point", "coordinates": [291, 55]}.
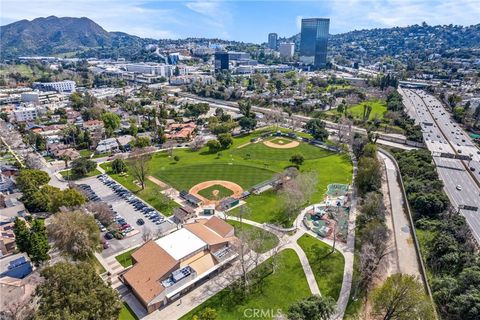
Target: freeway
{"type": "Point", "coordinates": [447, 142]}
{"type": "Point", "coordinates": [398, 140]}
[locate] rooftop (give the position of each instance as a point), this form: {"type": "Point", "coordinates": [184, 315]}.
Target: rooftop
{"type": "Point", "coordinates": [181, 243]}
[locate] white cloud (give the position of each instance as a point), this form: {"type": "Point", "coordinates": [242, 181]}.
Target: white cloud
{"type": "Point", "coordinates": [355, 14]}
{"type": "Point", "coordinates": [215, 14]}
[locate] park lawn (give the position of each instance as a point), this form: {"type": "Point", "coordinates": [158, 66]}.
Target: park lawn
{"type": "Point", "coordinates": [269, 240]}
{"type": "Point", "coordinates": [67, 176]}
{"type": "Point", "coordinates": [85, 153]}
{"type": "Point", "coordinates": [183, 177]}
{"type": "Point", "coordinates": [125, 259]}
{"type": "Point", "coordinates": [326, 266]}
{"type": "Point", "coordinates": [126, 313]}
{"type": "Point", "coordinates": [279, 290]}
{"type": "Point", "coordinates": [151, 194]}
{"type": "Point", "coordinates": [23, 69]}
{"type": "Point", "coordinates": [379, 108]}
{"type": "Point", "coordinates": [268, 207]}
{"type": "Point", "coordinates": [259, 151]}
{"type": "Point", "coordinates": [222, 192]}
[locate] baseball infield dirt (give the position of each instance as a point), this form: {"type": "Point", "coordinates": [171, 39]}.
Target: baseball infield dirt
{"type": "Point", "coordinates": [236, 189]}
{"type": "Point", "coordinates": [291, 144]}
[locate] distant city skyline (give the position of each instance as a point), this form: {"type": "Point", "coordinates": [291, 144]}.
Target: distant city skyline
{"type": "Point", "coordinates": [249, 21]}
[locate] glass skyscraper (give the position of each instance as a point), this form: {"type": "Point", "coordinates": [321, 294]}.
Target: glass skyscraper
{"type": "Point", "coordinates": [313, 41]}
{"type": "Point", "coordinates": [272, 41]}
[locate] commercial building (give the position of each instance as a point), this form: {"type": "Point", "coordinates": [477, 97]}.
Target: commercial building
{"type": "Point", "coordinates": [221, 60]}
{"type": "Point", "coordinates": [152, 69]}
{"type": "Point", "coordinates": [313, 41]}
{"type": "Point", "coordinates": [272, 41]}
{"type": "Point", "coordinates": [170, 266]}
{"type": "Point", "coordinates": [23, 114]}
{"type": "Point", "coordinates": [287, 49]}
{"type": "Point", "coordinates": [66, 86]}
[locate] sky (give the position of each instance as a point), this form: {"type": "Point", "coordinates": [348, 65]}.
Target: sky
{"type": "Point", "coordinates": [243, 20]}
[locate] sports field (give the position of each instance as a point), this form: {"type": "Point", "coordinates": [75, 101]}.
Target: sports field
{"type": "Point", "coordinates": [247, 166]}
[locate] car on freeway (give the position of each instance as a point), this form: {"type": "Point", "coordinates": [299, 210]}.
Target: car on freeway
{"type": "Point", "coordinates": [458, 187]}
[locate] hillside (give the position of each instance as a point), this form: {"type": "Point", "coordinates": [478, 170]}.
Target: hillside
{"type": "Point", "coordinates": [53, 35]}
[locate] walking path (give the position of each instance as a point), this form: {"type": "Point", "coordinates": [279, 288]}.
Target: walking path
{"type": "Point", "coordinates": [405, 248]}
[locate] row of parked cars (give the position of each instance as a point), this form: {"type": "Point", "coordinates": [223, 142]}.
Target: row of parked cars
{"type": "Point", "coordinates": [147, 211]}
{"type": "Point", "coordinates": [88, 192]}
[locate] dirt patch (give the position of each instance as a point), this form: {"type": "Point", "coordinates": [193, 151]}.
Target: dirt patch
{"type": "Point", "coordinates": [291, 144]}
{"type": "Point", "coordinates": [236, 189]}
{"type": "Point", "coordinates": [243, 145]}
{"type": "Point", "coordinates": [159, 183]}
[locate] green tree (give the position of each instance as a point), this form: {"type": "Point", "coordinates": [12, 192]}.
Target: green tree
{"type": "Point", "coordinates": [369, 176]}
{"type": "Point", "coordinates": [119, 166]}
{"type": "Point", "coordinates": [214, 146]}
{"type": "Point", "coordinates": [402, 297]}
{"type": "Point", "coordinates": [225, 140]}
{"type": "Point", "coordinates": [75, 234]}
{"type": "Point", "coordinates": [69, 198]}
{"type": "Point", "coordinates": [111, 122]}
{"type": "Point", "coordinates": [31, 178]}
{"type": "Point", "coordinates": [314, 307]}
{"type": "Point", "coordinates": [75, 291]}
{"type": "Point", "coordinates": [206, 314]}
{"type": "Point", "coordinates": [141, 142]}
{"type": "Point", "coordinates": [247, 123]}
{"type": "Point", "coordinates": [33, 241]}
{"type": "Point", "coordinates": [22, 235]}
{"type": "Point", "coordinates": [82, 166]}
{"type": "Point", "coordinates": [316, 128]}
{"type": "Point", "coordinates": [39, 246]}
{"type": "Point", "coordinates": [297, 159]}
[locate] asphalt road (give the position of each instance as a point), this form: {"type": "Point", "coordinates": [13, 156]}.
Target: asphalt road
{"type": "Point", "coordinates": [443, 135]}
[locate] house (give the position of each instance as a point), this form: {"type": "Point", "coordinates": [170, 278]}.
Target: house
{"type": "Point", "coordinates": [124, 141]}
{"type": "Point", "coordinates": [68, 153]}
{"type": "Point", "coordinates": [170, 266]}
{"type": "Point", "coordinates": [93, 125]}
{"type": "Point", "coordinates": [180, 131]}
{"type": "Point", "coordinates": [107, 145]}
{"type": "Point", "coordinates": [181, 215]}
{"type": "Point", "coordinates": [15, 266]}
{"type": "Point", "coordinates": [7, 237]}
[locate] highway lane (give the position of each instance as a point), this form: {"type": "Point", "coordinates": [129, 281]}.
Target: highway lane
{"type": "Point", "coordinates": [443, 135]}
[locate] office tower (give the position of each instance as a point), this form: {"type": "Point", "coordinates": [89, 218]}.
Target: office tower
{"type": "Point", "coordinates": [313, 41]}
{"type": "Point", "coordinates": [221, 61]}
{"type": "Point", "coordinates": [286, 49]}
{"type": "Point", "coordinates": [272, 41]}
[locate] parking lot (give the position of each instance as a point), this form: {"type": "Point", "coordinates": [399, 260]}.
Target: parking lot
{"type": "Point", "coordinates": [128, 215]}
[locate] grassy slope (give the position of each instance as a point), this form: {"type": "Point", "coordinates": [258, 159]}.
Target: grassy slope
{"type": "Point", "coordinates": [327, 267]}
{"type": "Point", "coordinates": [279, 290]}
{"type": "Point", "coordinates": [126, 313]}
{"type": "Point", "coordinates": [270, 240]}
{"type": "Point", "coordinates": [125, 259]}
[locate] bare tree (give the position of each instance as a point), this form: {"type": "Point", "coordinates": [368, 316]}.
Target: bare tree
{"type": "Point", "coordinates": [33, 161]}
{"type": "Point", "coordinates": [17, 309]}
{"type": "Point", "coordinates": [197, 143]}
{"type": "Point", "coordinates": [345, 133]}
{"type": "Point", "coordinates": [101, 211]}
{"type": "Point", "coordinates": [274, 116]}
{"type": "Point", "coordinates": [168, 145]}
{"type": "Point", "coordinates": [138, 164]}
{"type": "Point", "coordinates": [147, 234]}
{"type": "Point", "coordinates": [295, 192]}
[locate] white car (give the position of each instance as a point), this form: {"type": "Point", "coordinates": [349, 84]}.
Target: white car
{"type": "Point", "coordinates": [459, 187]}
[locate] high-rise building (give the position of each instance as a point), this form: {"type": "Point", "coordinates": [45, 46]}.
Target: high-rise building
{"type": "Point", "coordinates": [286, 49]}
{"type": "Point", "coordinates": [221, 60]}
{"type": "Point", "coordinates": [313, 41]}
{"type": "Point", "coordinates": [272, 41]}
